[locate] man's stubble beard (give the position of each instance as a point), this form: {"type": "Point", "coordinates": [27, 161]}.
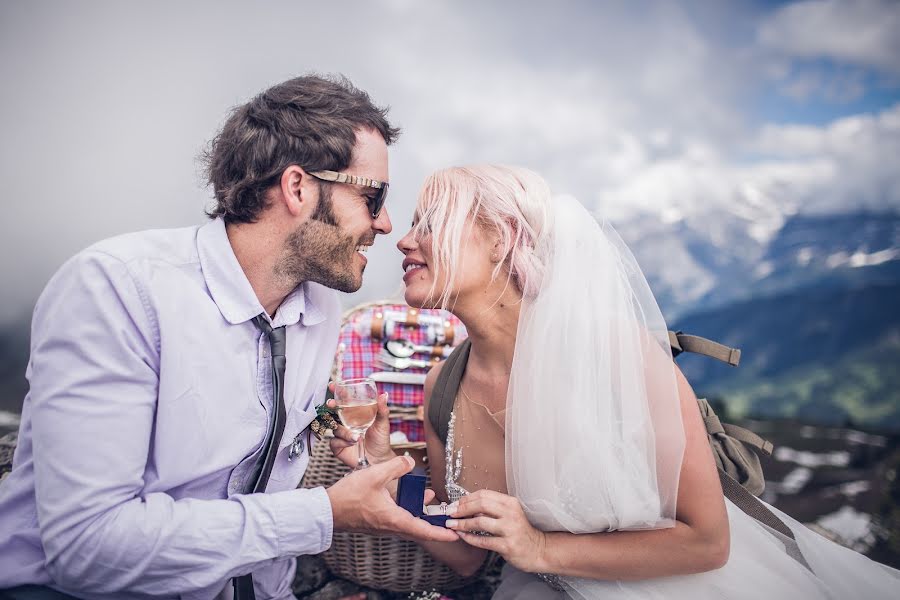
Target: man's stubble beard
{"type": "Point", "coordinates": [319, 251]}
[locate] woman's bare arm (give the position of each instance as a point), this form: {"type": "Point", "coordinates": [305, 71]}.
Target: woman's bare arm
{"type": "Point", "coordinates": [699, 541]}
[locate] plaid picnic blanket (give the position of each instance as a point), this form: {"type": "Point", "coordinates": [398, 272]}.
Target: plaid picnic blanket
{"type": "Point", "coordinates": [361, 348]}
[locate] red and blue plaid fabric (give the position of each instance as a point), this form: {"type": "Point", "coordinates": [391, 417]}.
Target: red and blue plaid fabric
{"type": "Point", "coordinates": [358, 354]}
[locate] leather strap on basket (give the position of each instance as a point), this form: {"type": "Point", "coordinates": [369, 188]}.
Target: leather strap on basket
{"type": "Point", "coordinates": [449, 333]}
{"type": "Point", "coordinates": [377, 330]}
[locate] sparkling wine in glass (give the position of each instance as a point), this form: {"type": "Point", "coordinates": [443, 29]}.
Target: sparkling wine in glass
{"type": "Point", "coordinates": [357, 404]}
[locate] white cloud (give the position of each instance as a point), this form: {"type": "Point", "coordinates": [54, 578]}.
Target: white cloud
{"type": "Point", "coordinates": [840, 166]}
{"type": "Point", "coordinates": [635, 106]}
{"type": "Point", "coordinates": [859, 32]}
{"type": "Point", "coordinates": [839, 86]}
{"type": "Point", "coordinates": [728, 210]}
{"type": "Point", "coordinates": [849, 164]}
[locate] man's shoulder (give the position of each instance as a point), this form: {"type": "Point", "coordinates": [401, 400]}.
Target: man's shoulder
{"type": "Point", "coordinates": [176, 247]}
{"type": "Point", "coordinates": [131, 259]}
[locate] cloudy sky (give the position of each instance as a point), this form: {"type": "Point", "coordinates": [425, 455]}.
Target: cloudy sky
{"type": "Point", "coordinates": [636, 107]}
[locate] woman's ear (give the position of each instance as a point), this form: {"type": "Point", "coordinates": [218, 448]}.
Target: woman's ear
{"type": "Point", "coordinates": [495, 252]}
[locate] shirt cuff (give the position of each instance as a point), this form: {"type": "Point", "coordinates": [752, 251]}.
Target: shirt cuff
{"type": "Point", "coordinates": [303, 521]}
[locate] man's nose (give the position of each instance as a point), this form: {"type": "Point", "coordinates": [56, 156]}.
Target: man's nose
{"type": "Point", "coordinates": [383, 222]}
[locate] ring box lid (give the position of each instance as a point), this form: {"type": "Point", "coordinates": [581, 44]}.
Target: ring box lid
{"type": "Point", "coordinates": [411, 496]}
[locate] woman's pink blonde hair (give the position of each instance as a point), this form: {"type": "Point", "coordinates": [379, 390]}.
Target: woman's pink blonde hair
{"type": "Point", "coordinates": [511, 202]}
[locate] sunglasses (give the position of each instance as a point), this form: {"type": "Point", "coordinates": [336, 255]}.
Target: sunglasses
{"type": "Point", "coordinates": [374, 203]}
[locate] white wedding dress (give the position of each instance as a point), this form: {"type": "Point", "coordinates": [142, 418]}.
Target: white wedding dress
{"type": "Point", "coordinates": [591, 438]}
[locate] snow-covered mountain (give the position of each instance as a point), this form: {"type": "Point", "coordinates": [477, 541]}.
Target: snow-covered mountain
{"type": "Point", "coordinates": [710, 258]}
{"type": "Point", "coordinates": [813, 309]}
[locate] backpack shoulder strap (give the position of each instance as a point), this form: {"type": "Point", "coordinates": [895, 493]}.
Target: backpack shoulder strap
{"type": "Point", "coordinates": [443, 394]}
{"type": "Point", "coordinates": [747, 437]}
{"type": "Point", "coordinates": [754, 508]}
{"type": "Point", "coordinates": [681, 342]}
{"type": "Point", "coordinates": [715, 427]}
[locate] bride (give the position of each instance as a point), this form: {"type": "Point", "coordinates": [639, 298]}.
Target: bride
{"type": "Point", "coordinates": [575, 443]}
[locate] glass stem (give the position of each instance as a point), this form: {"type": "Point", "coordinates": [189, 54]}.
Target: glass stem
{"type": "Point", "coordinates": [361, 461]}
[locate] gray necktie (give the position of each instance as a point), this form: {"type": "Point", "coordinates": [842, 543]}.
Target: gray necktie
{"type": "Point", "coordinates": [243, 585]}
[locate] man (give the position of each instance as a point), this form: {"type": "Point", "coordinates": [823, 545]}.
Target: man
{"type": "Point", "coordinates": [153, 387]}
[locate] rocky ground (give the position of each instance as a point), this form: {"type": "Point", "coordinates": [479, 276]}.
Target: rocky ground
{"type": "Point", "coordinates": [7, 447]}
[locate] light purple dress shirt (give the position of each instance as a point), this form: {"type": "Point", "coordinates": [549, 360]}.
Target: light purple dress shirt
{"type": "Point", "coordinates": [150, 395]}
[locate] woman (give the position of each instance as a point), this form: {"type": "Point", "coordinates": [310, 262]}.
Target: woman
{"type": "Point", "coordinates": [575, 442]}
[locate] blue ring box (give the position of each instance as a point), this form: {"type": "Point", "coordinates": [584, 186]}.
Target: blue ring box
{"type": "Point", "coordinates": [411, 496]}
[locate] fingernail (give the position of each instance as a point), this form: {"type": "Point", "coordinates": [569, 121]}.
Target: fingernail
{"type": "Point", "coordinates": [452, 508]}
{"type": "Point", "coordinates": [451, 523]}
{"type": "Point", "coordinates": [354, 437]}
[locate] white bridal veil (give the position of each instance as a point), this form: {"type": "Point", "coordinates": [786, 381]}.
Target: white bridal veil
{"type": "Point", "coordinates": [595, 436]}
{"type": "Point", "coordinates": [594, 431]}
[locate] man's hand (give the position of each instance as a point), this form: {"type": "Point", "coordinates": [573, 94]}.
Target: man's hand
{"type": "Point", "coordinates": [377, 438]}
{"type": "Point", "coordinates": [361, 502]}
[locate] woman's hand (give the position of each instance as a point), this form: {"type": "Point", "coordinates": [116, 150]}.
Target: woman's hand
{"type": "Point", "coordinates": [378, 438]}
{"type": "Point", "coordinates": [512, 536]}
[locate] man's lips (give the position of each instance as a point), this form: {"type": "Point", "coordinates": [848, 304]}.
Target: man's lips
{"type": "Point", "coordinates": [362, 248]}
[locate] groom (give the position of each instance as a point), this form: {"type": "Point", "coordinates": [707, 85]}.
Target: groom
{"type": "Point", "coordinates": [167, 367]}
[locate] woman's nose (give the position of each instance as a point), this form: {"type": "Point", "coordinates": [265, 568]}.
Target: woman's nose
{"type": "Point", "coordinates": [407, 243]}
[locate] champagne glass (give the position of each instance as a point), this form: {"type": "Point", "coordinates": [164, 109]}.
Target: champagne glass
{"type": "Point", "coordinates": [356, 401]}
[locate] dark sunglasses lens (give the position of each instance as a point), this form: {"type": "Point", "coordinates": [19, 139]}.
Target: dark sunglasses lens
{"type": "Point", "coordinates": [377, 203]}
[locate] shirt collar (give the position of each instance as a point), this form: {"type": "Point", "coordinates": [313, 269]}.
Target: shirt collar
{"type": "Point", "coordinates": [232, 292]}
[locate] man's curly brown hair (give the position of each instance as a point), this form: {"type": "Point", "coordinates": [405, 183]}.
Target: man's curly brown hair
{"type": "Point", "coordinates": [310, 121]}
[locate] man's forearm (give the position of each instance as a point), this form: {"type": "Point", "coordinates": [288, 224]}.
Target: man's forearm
{"type": "Point", "coordinates": [160, 546]}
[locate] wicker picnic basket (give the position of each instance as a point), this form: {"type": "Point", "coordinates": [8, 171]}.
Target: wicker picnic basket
{"type": "Point", "coordinates": [384, 562]}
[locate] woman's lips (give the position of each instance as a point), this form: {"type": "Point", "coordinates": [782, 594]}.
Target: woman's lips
{"type": "Point", "coordinates": [409, 274]}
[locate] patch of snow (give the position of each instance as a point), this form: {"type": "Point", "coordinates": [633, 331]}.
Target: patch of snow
{"type": "Point", "coordinates": [763, 269]}
{"type": "Point", "coordinates": [836, 260]}
{"type": "Point", "coordinates": [858, 437]}
{"type": "Point", "coordinates": [793, 482]}
{"type": "Point", "coordinates": [8, 419]}
{"type": "Point", "coordinates": [852, 528]}
{"type": "Point", "coordinates": [808, 432]}
{"type": "Point", "coordinates": [804, 256]}
{"type": "Point", "coordinates": [861, 259]}
{"type": "Point", "coordinates": [849, 489]}
{"type": "Point", "coordinates": [838, 458]}
{"type": "Point", "coordinates": [853, 488]}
